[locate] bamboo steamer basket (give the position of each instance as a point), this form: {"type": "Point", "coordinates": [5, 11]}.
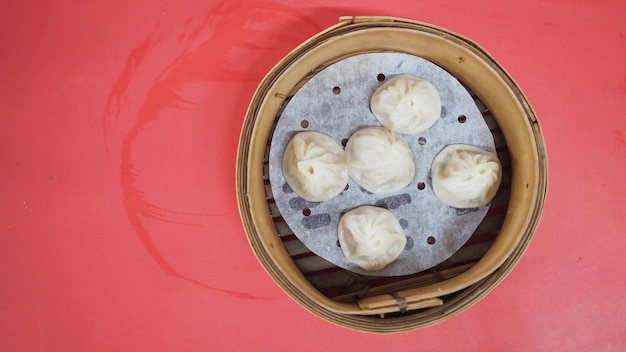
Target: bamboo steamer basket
{"type": "Point", "coordinates": [395, 304]}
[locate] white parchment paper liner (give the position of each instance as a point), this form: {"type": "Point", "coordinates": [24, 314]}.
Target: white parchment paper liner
{"type": "Point", "coordinates": [336, 102]}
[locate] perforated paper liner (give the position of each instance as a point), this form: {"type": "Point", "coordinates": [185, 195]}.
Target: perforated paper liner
{"type": "Point", "coordinates": [336, 102]}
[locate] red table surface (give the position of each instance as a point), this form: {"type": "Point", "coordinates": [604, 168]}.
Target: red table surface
{"type": "Point", "coordinates": [119, 228]}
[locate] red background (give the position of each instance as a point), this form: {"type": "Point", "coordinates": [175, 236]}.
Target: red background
{"type": "Point", "coordinates": [119, 228]}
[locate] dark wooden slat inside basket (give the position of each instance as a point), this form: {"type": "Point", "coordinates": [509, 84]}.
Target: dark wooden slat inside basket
{"type": "Point", "coordinates": [344, 285]}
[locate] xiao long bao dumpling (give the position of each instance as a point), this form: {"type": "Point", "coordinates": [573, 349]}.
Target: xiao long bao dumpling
{"type": "Point", "coordinates": [379, 160]}
{"type": "Point", "coordinates": [406, 104]}
{"type": "Point", "coordinates": [465, 176]}
{"type": "Point", "coordinates": [370, 237]}
{"type": "Point", "coordinates": [314, 166]}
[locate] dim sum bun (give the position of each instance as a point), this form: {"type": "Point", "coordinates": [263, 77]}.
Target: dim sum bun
{"type": "Point", "coordinates": [379, 160]}
{"type": "Point", "coordinates": [314, 166]}
{"type": "Point", "coordinates": [465, 176]}
{"type": "Point", "coordinates": [371, 237]}
{"type": "Point", "coordinates": [406, 104]}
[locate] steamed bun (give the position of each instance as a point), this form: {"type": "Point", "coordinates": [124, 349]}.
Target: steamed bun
{"type": "Point", "coordinates": [314, 166]}
{"type": "Point", "coordinates": [465, 176]}
{"type": "Point", "coordinates": [406, 104]}
{"type": "Point", "coordinates": [371, 237]}
{"type": "Point", "coordinates": [379, 160]}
